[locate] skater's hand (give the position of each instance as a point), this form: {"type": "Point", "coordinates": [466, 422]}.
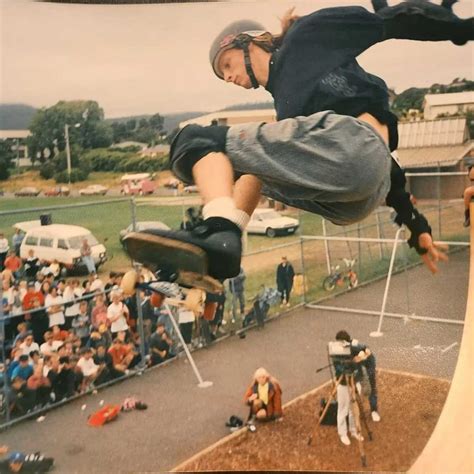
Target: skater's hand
{"type": "Point", "coordinates": [435, 252]}
{"type": "Point", "coordinates": [253, 397]}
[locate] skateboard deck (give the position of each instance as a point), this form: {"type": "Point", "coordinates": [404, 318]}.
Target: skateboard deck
{"type": "Point", "coordinates": [186, 262]}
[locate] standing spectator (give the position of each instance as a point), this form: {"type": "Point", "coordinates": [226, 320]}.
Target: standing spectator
{"type": "Point", "coordinates": [17, 239]}
{"type": "Point", "coordinates": [97, 285]}
{"type": "Point", "coordinates": [236, 288]}
{"type": "Point", "coordinates": [31, 266]}
{"type": "Point", "coordinates": [39, 320]}
{"type": "Point", "coordinates": [86, 254]}
{"type": "Point", "coordinates": [467, 196]}
{"type": "Point", "coordinates": [186, 319]}
{"type": "Point", "coordinates": [99, 311]}
{"type": "Point", "coordinates": [72, 292]}
{"type": "Point", "coordinates": [13, 263]}
{"type": "Point", "coordinates": [117, 313]}
{"type": "Point", "coordinates": [4, 248]}
{"type": "Point", "coordinates": [54, 307]}
{"type": "Point", "coordinates": [81, 323]}
{"type": "Point", "coordinates": [284, 279]}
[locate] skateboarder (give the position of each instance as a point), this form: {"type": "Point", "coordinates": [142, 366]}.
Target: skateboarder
{"type": "Point", "coordinates": [329, 151]}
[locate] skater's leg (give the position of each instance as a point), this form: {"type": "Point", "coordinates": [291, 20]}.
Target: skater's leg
{"type": "Point", "coordinates": [247, 193]}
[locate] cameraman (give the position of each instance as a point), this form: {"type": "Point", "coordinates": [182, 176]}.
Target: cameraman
{"type": "Point", "coordinates": [361, 356]}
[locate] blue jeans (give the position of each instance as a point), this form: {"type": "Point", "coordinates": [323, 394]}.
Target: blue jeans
{"type": "Point", "coordinates": [89, 263]}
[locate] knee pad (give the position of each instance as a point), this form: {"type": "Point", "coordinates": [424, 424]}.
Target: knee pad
{"type": "Point", "coordinates": [191, 144]}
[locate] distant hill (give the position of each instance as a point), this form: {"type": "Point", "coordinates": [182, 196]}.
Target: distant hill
{"type": "Point", "coordinates": [171, 121]}
{"type": "Point", "coordinates": [251, 106]}
{"type": "Point", "coordinates": [16, 116]}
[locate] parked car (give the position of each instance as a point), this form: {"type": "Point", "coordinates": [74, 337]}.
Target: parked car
{"type": "Point", "coordinates": [62, 243]}
{"type": "Point", "coordinates": [57, 191]}
{"type": "Point", "coordinates": [142, 225]}
{"type": "Point", "coordinates": [138, 183]}
{"type": "Point", "coordinates": [271, 223]}
{"type": "Point", "coordinates": [94, 190]}
{"type": "Point", "coordinates": [27, 191]}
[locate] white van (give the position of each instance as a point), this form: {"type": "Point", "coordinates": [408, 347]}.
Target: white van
{"type": "Point", "coordinates": [62, 243]}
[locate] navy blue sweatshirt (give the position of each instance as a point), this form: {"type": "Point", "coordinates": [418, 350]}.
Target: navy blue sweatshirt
{"type": "Point", "coordinates": [315, 68]}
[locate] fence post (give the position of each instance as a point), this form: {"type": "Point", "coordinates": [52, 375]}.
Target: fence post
{"type": "Point", "coordinates": [326, 248]}
{"type": "Point", "coordinates": [439, 201]}
{"type": "Point", "coordinates": [141, 330]}
{"type": "Point", "coordinates": [133, 208]}
{"type": "Point", "coordinates": [4, 355]}
{"type": "Point", "coordinates": [303, 270]}
{"type": "Point", "coordinates": [379, 233]}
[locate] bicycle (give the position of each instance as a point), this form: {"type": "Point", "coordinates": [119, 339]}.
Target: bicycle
{"type": "Point", "coordinates": [340, 277]}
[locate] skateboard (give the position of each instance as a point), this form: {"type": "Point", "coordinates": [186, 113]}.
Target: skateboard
{"type": "Point", "coordinates": [171, 260]}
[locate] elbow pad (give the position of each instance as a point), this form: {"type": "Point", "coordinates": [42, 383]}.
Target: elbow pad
{"type": "Point", "coordinates": [191, 144]}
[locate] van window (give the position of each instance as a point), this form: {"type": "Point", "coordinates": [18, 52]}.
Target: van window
{"type": "Point", "coordinates": [31, 240]}
{"type": "Point", "coordinates": [46, 242]}
{"type": "Point", "coordinates": [62, 244]}
{"type": "Point", "coordinates": [76, 242]}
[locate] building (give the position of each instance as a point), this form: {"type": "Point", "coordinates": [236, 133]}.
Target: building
{"type": "Point", "coordinates": [435, 105]}
{"type": "Point", "coordinates": [19, 147]}
{"type": "Point", "coordinates": [441, 145]}
{"type": "Point", "coordinates": [233, 117]}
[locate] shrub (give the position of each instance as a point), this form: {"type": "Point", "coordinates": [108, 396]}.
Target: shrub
{"type": "Point", "coordinates": [77, 174]}
{"type": "Point", "coordinates": [47, 170]}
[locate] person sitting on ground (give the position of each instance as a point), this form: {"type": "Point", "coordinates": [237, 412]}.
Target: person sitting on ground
{"type": "Point", "coordinates": [88, 367]}
{"type": "Point", "coordinates": [160, 344]}
{"type": "Point", "coordinates": [264, 396]}
{"type": "Point", "coordinates": [121, 358]}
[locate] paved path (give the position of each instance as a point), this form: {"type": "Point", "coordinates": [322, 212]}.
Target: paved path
{"type": "Point", "coordinates": [182, 419]}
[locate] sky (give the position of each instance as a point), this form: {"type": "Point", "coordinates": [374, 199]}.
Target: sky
{"type": "Point", "coordinates": [144, 59]}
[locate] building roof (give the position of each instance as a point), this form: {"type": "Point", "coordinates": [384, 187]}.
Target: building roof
{"type": "Point", "coordinates": [426, 133]}
{"type": "Point", "coordinates": [431, 157]}
{"type": "Point", "coordinates": [449, 99]}
{"type": "Point", "coordinates": [229, 114]}
{"type": "Point", "coordinates": [4, 134]}
{"type": "Point", "coordinates": [129, 143]}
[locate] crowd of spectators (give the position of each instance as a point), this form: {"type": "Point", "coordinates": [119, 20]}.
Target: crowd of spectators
{"type": "Point", "coordinates": [65, 336]}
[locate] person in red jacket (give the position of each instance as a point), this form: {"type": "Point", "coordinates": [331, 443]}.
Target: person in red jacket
{"type": "Point", "coordinates": [264, 396]}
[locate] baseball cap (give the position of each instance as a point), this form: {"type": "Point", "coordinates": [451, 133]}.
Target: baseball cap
{"type": "Point", "coordinates": [227, 39]}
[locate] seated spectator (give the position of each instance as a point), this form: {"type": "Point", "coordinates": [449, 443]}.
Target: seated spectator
{"type": "Point", "coordinates": [50, 345]}
{"type": "Point", "coordinates": [31, 265]}
{"type": "Point", "coordinates": [24, 369]}
{"type": "Point", "coordinates": [21, 399]}
{"type": "Point", "coordinates": [88, 367]}
{"type": "Point", "coordinates": [121, 358]}
{"type": "Point", "coordinates": [14, 264]}
{"type": "Point", "coordinates": [117, 313]}
{"type": "Point", "coordinates": [39, 321]}
{"type": "Point", "coordinates": [100, 337]}
{"type": "Point", "coordinates": [35, 359]}
{"type": "Point", "coordinates": [31, 296]}
{"type": "Point", "coordinates": [41, 385]}
{"type": "Point", "coordinates": [59, 334]}
{"type": "Point", "coordinates": [62, 378]}
{"type": "Point", "coordinates": [54, 307]}
{"type": "Point", "coordinates": [29, 345]}
{"type": "Point", "coordinates": [99, 311]}
{"type": "Point", "coordinates": [160, 344]}
{"type": "Point", "coordinates": [104, 361]}
{"type": "Point", "coordinates": [81, 323]}
{"type": "Point", "coordinates": [22, 329]}
{"type": "Point", "coordinates": [14, 361]}
{"type": "Point", "coordinates": [77, 373]}
{"type": "Point", "coordinates": [96, 284]}
{"type": "Point", "coordinates": [54, 268]}
{"type": "Point", "coordinates": [264, 396]}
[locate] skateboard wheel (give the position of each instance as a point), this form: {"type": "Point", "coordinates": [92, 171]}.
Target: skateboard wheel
{"type": "Point", "coordinates": [129, 283]}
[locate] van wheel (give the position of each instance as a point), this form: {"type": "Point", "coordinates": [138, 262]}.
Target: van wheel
{"type": "Point", "coordinates": [270, 232]}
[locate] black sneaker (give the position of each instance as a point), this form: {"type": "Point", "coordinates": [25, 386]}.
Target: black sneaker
{"type": "Point", "coordinates": [213, 248]}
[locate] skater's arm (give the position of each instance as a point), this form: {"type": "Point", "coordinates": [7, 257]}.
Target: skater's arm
{"type": "Point", "coordinates": [407, 214]}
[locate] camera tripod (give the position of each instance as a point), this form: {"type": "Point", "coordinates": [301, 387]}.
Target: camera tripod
{"type": "Point", "coordinates": [357, 411]}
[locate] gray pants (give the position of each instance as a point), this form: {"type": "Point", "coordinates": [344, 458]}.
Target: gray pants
{"type": "Point", "coordinates": [332, 165]}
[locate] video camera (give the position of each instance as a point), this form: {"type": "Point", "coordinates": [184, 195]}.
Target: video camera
{"type": "Point", "coordinates": [341, 355]}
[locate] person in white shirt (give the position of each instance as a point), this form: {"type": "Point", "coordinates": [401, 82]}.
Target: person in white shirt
{"type": "Point", "coordinates": [29, 345]}
{"type": "Point", "coordinates": [97, 285]}
{"type": "Point", "coordinates": [72, 292]}
{"type": "Point", "coordinates": [88, 368]}
{"type": "Point", "coordinates": [117, 313]}
{"type": "Point", "coordinates": [49, 346]}
{"type": "Point", "coordinates": [4, 248]}
{"type": "Point", "coordinates": [54, 307]}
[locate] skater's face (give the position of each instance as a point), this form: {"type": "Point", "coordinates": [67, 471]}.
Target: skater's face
{"type": "Point", "coordinates": [232, 65]}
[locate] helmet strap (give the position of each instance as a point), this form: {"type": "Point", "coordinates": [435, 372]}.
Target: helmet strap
{"type": "Point", "coordinates": [248, 66]}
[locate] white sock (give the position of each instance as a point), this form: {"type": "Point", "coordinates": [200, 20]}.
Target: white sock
{"type": "Point", "coordinates": [225, 207]}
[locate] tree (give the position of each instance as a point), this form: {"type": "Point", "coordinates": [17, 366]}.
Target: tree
{"type": "Point", "coordinates": [47, 127]}
{"type": "Point", "coordinates": [6, 156]}
{"type": "Point", "coordinates": [156, 122]}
